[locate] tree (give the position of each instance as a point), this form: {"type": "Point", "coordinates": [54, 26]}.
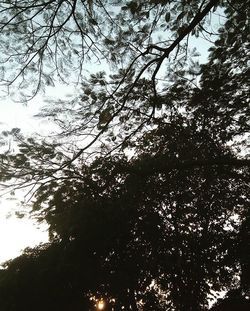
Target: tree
{"type": "Point", "coordinates": [162, 226]}
{"type": "Point", "coordinates": [53, 37]}
{"type": "Point", "coordinates": [233, 301]}
{"type": "Point", "coordinates": [63, 34]}
{"type": "Point", "coordinates": [224, 117]}
{"type": "Point", "coordinates": [86, 129]}
{"type": "Point", "coordinates": [39, 279]}
{"type": "Point", "coordinates": [180, 220]}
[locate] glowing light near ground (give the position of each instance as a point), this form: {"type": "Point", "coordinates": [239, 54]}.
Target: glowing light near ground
{"type": "Point", "coordinates": [101, 304]}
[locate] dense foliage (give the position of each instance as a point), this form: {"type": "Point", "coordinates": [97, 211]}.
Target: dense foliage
{"type": "Point", "coordinates": [146, 188]}
{"type": "Point", "coordinates": [156, 232]}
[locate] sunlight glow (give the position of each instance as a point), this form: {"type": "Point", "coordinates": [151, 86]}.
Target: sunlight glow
{"type": "Point", "coordinates": [101, 304]}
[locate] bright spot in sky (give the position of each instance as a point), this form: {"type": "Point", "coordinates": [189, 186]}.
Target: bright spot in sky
{"type": "Point", "coordinates": [16, 234]}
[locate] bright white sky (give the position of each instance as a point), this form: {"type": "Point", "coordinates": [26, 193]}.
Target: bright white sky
{"type": "Point", "coordinates": [16, 234]}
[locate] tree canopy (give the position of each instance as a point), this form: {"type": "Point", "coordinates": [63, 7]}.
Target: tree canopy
{"type": "Point", "coordinates": [53, 36]}
{"type": "Point", "coordinates": [142, 234]}
{"type": "Point", "coordinates": [145, 184]}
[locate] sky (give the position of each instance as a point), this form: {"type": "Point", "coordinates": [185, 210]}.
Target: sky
{"type": "Point", "coordinates": [18, 233]}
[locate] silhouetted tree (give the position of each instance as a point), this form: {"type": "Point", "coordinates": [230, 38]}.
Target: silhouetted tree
{"type": "Point", "coordinates": [42, 39]}
{"type": "Point", "coordinates": [158, 230]}
{"type": "Point", "coordinates": [234, 301]}
{"type": "Point", "coordinates": [104, 121]}
{"type": "Point", "coordinates": [157, 217]}
{"type": "Point", "coordinates": [146, 43]}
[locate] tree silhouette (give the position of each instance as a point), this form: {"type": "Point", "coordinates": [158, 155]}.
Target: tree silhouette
{"type": "Point", "coordinates": [50, 37]}
{"type": "Point", "coordinates": [151, 212]}
{"type": "Point", "coordinates": [233, 301]}
{"type": "Point", "coordinates": [148, 239]}
{"type": "Point", "coordinates": [112, 111]}
{"type": "Point", "coordinates": [145, 42]}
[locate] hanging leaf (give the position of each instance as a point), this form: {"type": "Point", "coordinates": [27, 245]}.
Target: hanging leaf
{"type": "Point", "coordinates": [167, 17]}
